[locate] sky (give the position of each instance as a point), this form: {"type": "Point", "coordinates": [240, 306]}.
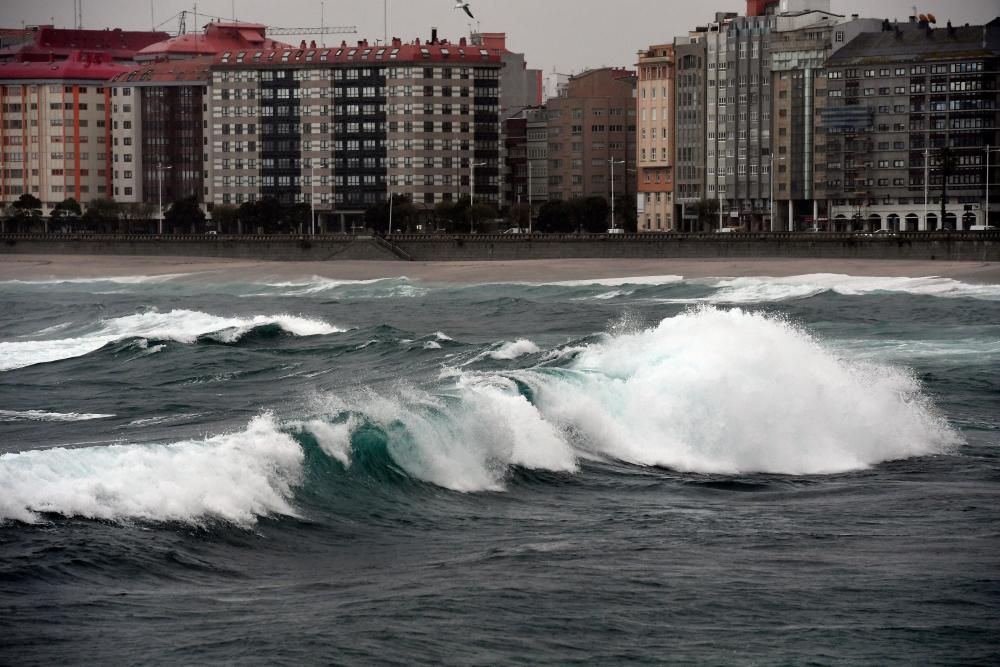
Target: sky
{"type": "Point", "coordinates": [566, 36]}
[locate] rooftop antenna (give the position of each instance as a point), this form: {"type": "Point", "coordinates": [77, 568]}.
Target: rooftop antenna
{"type": "Point", "coordinates": [234, 11]}
{"type": "Point", "coordinates": [385, 21]}
{"type": "Point", "coordinates": [322, 22]}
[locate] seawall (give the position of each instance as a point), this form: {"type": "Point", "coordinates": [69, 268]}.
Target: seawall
{"type": "Point", "coordinates": [944, 246]}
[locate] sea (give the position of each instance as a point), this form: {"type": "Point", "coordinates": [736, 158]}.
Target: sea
{"type": "Point", "coordinates": [657, 470]}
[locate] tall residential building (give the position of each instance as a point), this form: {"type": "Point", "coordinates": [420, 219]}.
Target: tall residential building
{"type": "Point", "coordinates": [591, 131]}
{"type": "Point", "coordinates": [655, 142]}
{"type": "Point", "coordinates": [158, 113]}
{"type": "Point", "coordinates": [157, 121]}
{"type": "Point", "coordinates": [738, 120]}
{"type": "Point", "coordinates": [55, 111]}
{"type": "Point", "coordinates": [526, 142]}
{"type": "Point", "coordinates": [689, 133]}
{"type": "Point", "coordinates": [893, 99]}
{"type": "Point", "coordinates": [801, 42]}
{"type": "Point", "coordinates": [342, 128]}
{"type": "Point", "coordinates": [520, 86]}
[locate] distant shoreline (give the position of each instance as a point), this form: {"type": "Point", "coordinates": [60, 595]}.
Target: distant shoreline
{"type": "Point", "coordinates": [215, 270]}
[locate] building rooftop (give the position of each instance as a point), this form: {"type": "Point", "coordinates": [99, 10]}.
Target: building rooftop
{"type": "Point", "coordinates": [188, 70]}
{"type": "Point", "coordinates": [216, 38]}
{"type": "Point", "coordinates": [78, 66]}
{"type": "Point", "coordinates": [437, 51]}
{"type": "Point", "coordinates": [54, 43]}
{"type": "Point", "coordinates": [914, 41]}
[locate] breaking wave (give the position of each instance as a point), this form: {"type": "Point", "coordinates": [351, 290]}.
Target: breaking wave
{"type": "Point", "coordinates": [763, 290]}
{"type": "Point", "coordinates": [43, 416]}
{"type": "Point", "coordinates": [708, 391]}
{"type": "Point", "coordinates": [234, 478]}
{"type": "Point", "coordinates": [182, 326]}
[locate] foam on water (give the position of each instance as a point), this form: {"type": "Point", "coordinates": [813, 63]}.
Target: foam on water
{"type": "Point", "coordinates": [618, 282]}
{"type": "Point", "coordinates": [464, 444]}
{"type": "Point", "coordinates": [43, 416]}
{"type": "Point", "coordinates": [182, 326]}
{"type": "Point", "coordinates": [513, 350]}
{"type": "Point", "coordinates": [766, 289]}
{"type": "Point", "coordinates": [716, 391]}
{"type": "Point", "coordinates": [116, 280]}
{"type": "Point", "coordinates": [236, 478]}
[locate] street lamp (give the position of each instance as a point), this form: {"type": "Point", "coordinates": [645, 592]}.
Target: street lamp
{"type": "Point", "coordinates": [472, 191]}
{"type": "Point", "coordinates": [159, 193]}
{"type": "Point", "coordinates": [989, 151]}
{"type": "Point", "coordinates": [613, 163]}
{"type": "Point", "coordinates": [773, 217]}
{"type": "Point", "coordinates": [312, 196]}
{"type": "Point", "coordinates": [531, 210]}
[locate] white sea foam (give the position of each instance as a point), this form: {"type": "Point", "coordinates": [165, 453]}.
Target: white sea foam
{"type": "Point", "coordinates": [734, 392]}
{"type": "Point", "coordinates": [513, 350]}
{"type": "Point", "coordinates": [467, 444]}
{"type": "Point", "coordinates": [399, 287]}
{"type": "Point", "coordinates": [618, 282]}
{"type": "Point", "coordinates": [43, 416]}
{"type": "Point", "coordinates": [766, 289]}
{"type": "Point", "coordinates": [118, 280]}
{"type": "Point", "coordinates": [182, 326]}
{"type": "Point", "coordinates": [236, 478]}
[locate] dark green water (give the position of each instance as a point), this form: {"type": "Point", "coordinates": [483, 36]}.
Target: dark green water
{"type": "Point", "coordinates": [753, 471]}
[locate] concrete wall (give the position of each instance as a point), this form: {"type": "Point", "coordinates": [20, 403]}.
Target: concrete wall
{"type": "Point", "coordinates": [961, 246]}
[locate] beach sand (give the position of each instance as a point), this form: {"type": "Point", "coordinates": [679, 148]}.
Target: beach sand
{"type": "Point", "coordinates": [60, 267]}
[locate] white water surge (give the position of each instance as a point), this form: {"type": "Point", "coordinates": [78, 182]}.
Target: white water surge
{"type": "Point", "coordinates": [182, 326]}
{"type": "Point", "coordinates": [765, 290]}
{"type": "Point", "coordinates": [707, 391]}
{"type": "Point", "coordinates": [235, 477]}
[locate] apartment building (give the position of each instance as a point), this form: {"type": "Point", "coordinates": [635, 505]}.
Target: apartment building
{"type": "Point", "coordinates": [158, 114]}
{"type": "Point", "coordinates": [55, 110]}
{"type": "Point", "coordinates": [689, 133]}
{"type": "Point", "coordinates": [343, 128]}
{"type": "Point", "coordinates": [591, 135]}
{"type": "Point", "coordinates": [157, 132]}
{"type": "Point", "coordinates": [801, 42]}
{"type": "Point", "coordinates": [893, 100]}
{"type": "Point", "coordinates": [738, 120]}
{"type": "Point", "coordinates": [655, 141]}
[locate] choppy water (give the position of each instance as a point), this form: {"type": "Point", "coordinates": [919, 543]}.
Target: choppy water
{"type": "Point", "coordinates": [653, 470]}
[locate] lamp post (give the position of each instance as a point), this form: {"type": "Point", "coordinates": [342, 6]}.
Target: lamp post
{"type": "Point", "coordinates": [927, 183]}
{"type": "Point", "coordinates": [989, 151]}
{"type": "Point", "coordinates": [312, 196]}
{"type": "Point", "coordinates": [773, 221]}
{"type": "Point", "coordinates": [613, 163]}
{"type": "Point", "coordinates": [472, 192]}
{"type": "Point", "coordinates": [531, 210]}
{"type": "Point", "coordinates": [159, 193]}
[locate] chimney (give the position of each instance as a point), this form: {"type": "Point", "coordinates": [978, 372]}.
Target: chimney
{"type": "Point", "coordinates": [312, 44]}
{"type": "Point", "coordinates": [434, 35]}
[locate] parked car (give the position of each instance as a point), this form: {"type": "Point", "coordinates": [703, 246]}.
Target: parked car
{"type": "Point", "coordinates": [983, 228]}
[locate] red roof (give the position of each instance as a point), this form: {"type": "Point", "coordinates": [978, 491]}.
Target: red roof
{"type": "Point", "coordinates": [217, 38]}
{"type": "Point", "coordinates": [60, 43]}
{"type": "Point", "coordinates": [439, 51]}
{"type": "Point", "coordinates": [79, 66]}
{"type": "Point", "coordinates": [189, 70]}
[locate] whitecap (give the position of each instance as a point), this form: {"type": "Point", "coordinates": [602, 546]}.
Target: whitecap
{"type": "Point", "coordinates": [236, 478]}
{"type": "Point", "coordinates": [43, 416]}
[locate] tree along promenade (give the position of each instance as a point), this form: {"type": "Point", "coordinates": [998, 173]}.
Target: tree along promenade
{"type": "Point", "coordinates": [983, 246]}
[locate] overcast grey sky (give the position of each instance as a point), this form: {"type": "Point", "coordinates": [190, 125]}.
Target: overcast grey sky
{"type": "Point", "coordinates": [567, 35]}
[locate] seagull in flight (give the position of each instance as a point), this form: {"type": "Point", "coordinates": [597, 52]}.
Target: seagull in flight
{"type": "Point", "coordinates": [464, 5]}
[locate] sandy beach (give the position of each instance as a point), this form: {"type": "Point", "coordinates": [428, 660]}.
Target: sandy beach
{"type": "Point", "coordinates": [56, 267]}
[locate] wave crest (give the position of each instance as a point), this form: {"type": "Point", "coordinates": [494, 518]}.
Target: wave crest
{"type": "Point", "coordinates": [234, 478]}
{"type": "Point", "coordinates": [182, 326]}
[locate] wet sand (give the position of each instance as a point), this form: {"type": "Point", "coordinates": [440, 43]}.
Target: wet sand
{"type": "Point", "coordinates": [61, 267]}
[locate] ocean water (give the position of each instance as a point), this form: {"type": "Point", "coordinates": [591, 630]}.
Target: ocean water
{"type": "Point", "coordinates": [657, 470]}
